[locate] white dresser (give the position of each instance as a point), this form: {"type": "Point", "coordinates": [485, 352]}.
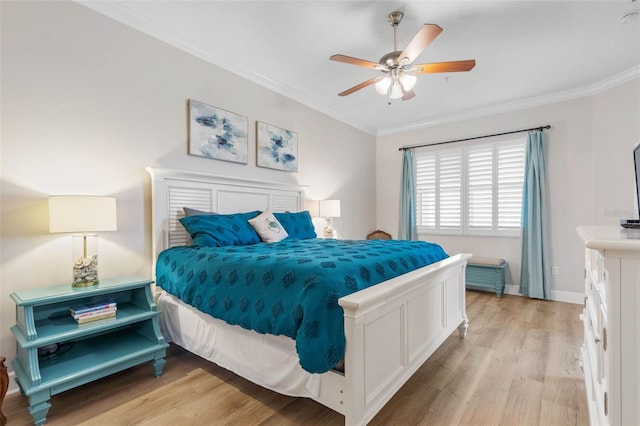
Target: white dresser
{"type": "Point", "coordinates": [611, 316]}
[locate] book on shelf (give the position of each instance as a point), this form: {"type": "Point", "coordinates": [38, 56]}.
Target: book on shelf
{"type": "Point", "coordinates": [94, 313]}
{"type": "Point", "coordinates": [96, 317]}
{"type": "Point", "coordinates": [93, 306]}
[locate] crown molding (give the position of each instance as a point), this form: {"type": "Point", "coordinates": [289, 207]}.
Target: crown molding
{"type": "Point", "coordinates": [618, 79]}
{"type": "Point", "coordinates": [566, 95]}
{"type": "Point", "coordinates": [121, 13]}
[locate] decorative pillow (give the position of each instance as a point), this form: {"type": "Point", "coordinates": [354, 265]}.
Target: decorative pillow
{"type": "Point", "coordinates": [188, 211]}
{"type": "Point", "coordinates": [219, 230]}
{"type": "Point", "coordinates": [268, 227]}
{"type": "Point", "coordinates": [298, 225]}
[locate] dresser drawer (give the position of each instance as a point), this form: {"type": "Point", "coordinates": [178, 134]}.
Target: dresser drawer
{"type": "Point", "coordinates": [592, 307]}
{"type": "Point", "coordinates": [600, 339]}
{"type": "Point", "coordinates": [595, 365]}
{"type": "Point", "coordinates": [597, 273]}
{"type": "Point", "coordinates": [590, 347]}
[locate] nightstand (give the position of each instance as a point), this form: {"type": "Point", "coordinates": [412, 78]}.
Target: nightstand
{"type": "Point", "coordinates": [73, 354]}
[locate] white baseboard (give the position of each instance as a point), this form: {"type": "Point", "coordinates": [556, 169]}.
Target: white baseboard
{"type": "Point", "coordinates": [567, 296]}
{"type": "Point", "coordinates": [511, 289]}
{"type": "Point", "coordinates": [557, 296]}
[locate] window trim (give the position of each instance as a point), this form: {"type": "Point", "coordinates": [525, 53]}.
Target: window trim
{"type": "Point", "coordinates": [465, 229]}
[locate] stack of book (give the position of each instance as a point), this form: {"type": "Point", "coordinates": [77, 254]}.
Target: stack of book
{"type": "Point", "coordinates": [94, 311]}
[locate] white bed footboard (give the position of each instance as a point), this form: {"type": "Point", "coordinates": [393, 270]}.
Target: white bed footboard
{"type": "Point", "coordinates": [391, 329]}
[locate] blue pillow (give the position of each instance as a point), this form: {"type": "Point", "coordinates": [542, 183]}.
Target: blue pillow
{"type": "Point", "coordinates": [297, 225]}
{"type": "Point", "coordinates": [220, 230]}
{"type": "Point", "coordinates": [188, 211]}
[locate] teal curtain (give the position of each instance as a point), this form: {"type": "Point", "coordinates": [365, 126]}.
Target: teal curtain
{"type": "Point", "coordinates": [407, 226]}
{"type": "Point", "coordinates": [534, 270]}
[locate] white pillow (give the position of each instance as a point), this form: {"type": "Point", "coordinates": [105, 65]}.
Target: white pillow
{"type": "Point", "coordinates": [268, 227]}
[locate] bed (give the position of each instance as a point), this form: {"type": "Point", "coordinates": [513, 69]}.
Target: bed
{"type": "Point", "coordinates": [390, 329]}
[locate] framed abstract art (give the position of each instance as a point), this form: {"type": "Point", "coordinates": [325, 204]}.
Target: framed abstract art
{"type": "Point", "coordinates": [217, 133]}
{"type": "Point", "coordinates": [277, 148]}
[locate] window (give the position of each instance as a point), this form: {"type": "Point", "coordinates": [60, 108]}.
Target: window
{"type": "Point", "coordinates": [475, 190]}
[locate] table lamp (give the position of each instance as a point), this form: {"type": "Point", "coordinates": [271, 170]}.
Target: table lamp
{"type": "Point", "coordinates": [329, 209]}
{"type": "Point", "coordinates": [313, 207]}
{"type": "Point", "coordinates": [83, 214]}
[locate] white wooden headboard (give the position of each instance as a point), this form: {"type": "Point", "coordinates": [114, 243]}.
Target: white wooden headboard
{"type": "Point", "coordinates": [171, 190]}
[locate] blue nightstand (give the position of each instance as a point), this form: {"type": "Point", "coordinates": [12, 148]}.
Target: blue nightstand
{"type": "Point", "coordinates": [73, 354]}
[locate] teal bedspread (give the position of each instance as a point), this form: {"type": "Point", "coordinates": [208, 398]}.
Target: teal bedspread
{"type": "Point", "coordinates": [291, 287]}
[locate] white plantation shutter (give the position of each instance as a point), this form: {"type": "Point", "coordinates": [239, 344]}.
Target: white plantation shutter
{"type": "Point", "coordinates": [474, 190]}
{"type": "Point", "coordinates": [425, 171]}
{"type": "Point", "coordinates": [450, 190]}
{"type": "Point", "coordinates": [510, 182]}
{"type": "Point", "coordinates": [480, 188]}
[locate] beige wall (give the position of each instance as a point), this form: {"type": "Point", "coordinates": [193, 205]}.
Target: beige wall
{"type": "Point", "coordinates": [590, 174]}
{"type": "Point", "coordinates": [87, 103]}
{"type": "Point", "coordinates": [616, 130]}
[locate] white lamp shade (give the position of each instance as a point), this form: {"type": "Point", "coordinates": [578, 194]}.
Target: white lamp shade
{"type": "Point", "coordinates": [382, 86]}
{"type": "Point", "coordinates": [329, 208]}
{"type": "Point", "coordinates": [82, 213]}
{"type": "Point", "coordinates": [313, 206]}
{"type": "Point", "coordinates": [408, 81]}
{"type": "Point", "coordinates": [396, 91]}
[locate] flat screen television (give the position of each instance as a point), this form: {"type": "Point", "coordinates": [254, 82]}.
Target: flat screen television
{"type": "Point", "coordinates": [636, 159]}
{"type": "Point", "coordinates": [635, 223]}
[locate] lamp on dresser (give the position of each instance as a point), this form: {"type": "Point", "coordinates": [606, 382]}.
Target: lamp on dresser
{"type": "Point", "coordinates": [84, 214]}
{"type": "Point", "coordinates": [328, 209]}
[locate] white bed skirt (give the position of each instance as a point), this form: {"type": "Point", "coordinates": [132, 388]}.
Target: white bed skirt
{"type": "Point", "coordinates": [267, 360]}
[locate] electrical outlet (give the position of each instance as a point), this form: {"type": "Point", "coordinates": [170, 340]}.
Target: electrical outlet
{"type": "Point", "coordinates": [554, 270]}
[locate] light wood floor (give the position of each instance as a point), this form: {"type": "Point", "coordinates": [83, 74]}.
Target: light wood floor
{"type": "Point", "coordinates": [517, 366]}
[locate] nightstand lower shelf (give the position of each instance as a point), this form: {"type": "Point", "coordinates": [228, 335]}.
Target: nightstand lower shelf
{"type": "Point", "coordinates": [91, 359]}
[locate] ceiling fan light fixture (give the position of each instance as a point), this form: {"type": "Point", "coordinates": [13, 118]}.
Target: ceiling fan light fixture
{"type": "Point", "coordinates": [382, 86]}
{"type": "Point", "coordinates": [408, 81]}
{"type": "Point", "coordinates": [396, 91]}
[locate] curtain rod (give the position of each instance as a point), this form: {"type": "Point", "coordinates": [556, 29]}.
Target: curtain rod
{"type": "Point", "coordinates": [541, 128]}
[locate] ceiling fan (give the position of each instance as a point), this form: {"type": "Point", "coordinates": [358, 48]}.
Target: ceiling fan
{"type": "Point", "coordinates": [399, 72]}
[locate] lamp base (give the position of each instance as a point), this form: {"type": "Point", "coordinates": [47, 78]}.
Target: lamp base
{"type": "Point", "coordinates": [85, 263]}
{"type": "Point", "coordinates": [328, 232]}
{"type": "Point", "coordinates": [85, 283]}
{"type": "Point", "coordinates": [85, 271]}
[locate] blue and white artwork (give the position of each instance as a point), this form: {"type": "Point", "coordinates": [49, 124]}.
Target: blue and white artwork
{"type": "Point", "coordinates": [277, 148]}
{"type": "Point", "coordinates": [217, 133]}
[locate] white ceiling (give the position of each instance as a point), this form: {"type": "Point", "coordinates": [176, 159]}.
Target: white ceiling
{"type": "Point", "coordinates": [527, 52]}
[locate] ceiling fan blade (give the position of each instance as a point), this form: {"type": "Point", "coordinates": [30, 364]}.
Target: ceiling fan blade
{"type": "Point", "coordinates": [355, 61]}
{"type": "Point", "coordinates": [451, 66]}
{"type": "Point", "coordinates": [422, 39]}
{"type": "Point", "coordinates": [359, 86]}
{"type": "Point", "coordinates": [409, 94]}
